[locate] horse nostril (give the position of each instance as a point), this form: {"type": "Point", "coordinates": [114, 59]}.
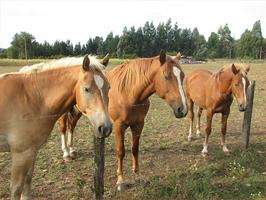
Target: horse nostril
{"type": "Point", "coordinates": [241, 107]}
{"type": "Point", "coordinates": [105, 130]}
{"type": "Point", "coordinates": [108, 129]}
{"type": "Point", "coordinates": [179, 112]}
{"type": "Point", "coordinates": [101, 129]}
{"type": "Point", "coordinates": [180, 109]}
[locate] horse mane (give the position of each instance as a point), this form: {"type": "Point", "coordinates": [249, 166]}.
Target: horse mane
{"type": "Point", "coordinates": [61, 63]}
{"type": "Point", "coordinates": [239, 66]}
{"type": "Point", "coordinates": [130, 73]}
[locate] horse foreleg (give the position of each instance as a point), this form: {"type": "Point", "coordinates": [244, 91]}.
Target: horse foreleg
{"type": "Point", "coordinates": [207, 132]}
{"type": "Point", "coordinates": [223, 131]}
{"type": "Point", "coordinates": [21, 174]}
{"type": "Point", "coordinates": [136, 132]}
{"type": "Point", "coordinates": [63, 128]}
{"type": "Point", "coordinates": [72, 124]}
{"type": "Point", "coordinates": [120, 152]}
{"type": "Point", "coordinates": [191, 116]}
{"type": "Point", "coordinates": [27, 185]}
{"type": "Point", "coordinates": [198, 133]}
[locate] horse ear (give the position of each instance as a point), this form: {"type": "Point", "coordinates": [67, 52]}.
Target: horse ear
{"type": "Point", "coordinates": [234, 69]}
{"type": "Point", "coordinates": [162, 56]}
{"type": "Point", "coordinates": [247, 68]}
{"type": "Point", "coordinates": [178, 56]}
{"type": "Point", "coordinates": [86, 63]}
{"type": "Point", "coordinates": [105, 60]}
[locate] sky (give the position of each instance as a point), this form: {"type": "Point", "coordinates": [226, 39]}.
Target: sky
{"type": "Point", "coordinates": [78, 20]}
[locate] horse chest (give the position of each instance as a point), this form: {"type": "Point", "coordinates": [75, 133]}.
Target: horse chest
{"type": "Point", "coordinates": [223, 104]}
{"type": "Point", "coordinates": [129, 112]}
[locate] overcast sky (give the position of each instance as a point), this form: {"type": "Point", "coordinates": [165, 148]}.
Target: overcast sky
{"type": "Point", "coordinates": [77, 20]}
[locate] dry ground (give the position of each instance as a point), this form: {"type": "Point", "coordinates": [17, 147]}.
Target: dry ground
{"type": "Point", "coordinates": [170, 167]}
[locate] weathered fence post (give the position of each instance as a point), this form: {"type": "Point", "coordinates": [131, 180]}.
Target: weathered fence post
{"type": "Point", "coordinates": [99, 144]}
{"type": "Point", "coordinates": [248, 114]}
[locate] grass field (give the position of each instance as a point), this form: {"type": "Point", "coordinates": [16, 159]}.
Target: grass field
{"type": "Point", "coordinates": [170, 167]}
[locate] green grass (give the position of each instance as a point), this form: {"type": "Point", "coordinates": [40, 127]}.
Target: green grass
{"type": "Point", "coordinates": [238, 176]}
{"type": "Point", "coordinates": [170, 167]}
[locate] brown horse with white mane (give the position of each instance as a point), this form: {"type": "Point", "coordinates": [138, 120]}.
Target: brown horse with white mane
{"type": "Point", "coordinates": [214, 92]}
{"type": "Point", "coordinates": [132, 83]}
{"type": "Point", "coordinates": [71, 117]}
{"type": "Point", "coordinates": [31, 103]}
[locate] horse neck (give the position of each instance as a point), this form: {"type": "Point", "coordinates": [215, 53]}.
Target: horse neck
{"type": "Point", "coordinates": [55, 89]}
{"type": "Point", "coordinates": [225, 82]}
{"type": "Point", "coordinates": [146, 90]}
{"type": "Point", "coordinates": [142, 87]}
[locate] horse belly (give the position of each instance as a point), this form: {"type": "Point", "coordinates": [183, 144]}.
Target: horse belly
{"type": "Point", "coordinates": [29, 135]}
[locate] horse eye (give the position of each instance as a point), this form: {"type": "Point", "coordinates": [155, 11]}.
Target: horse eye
{"type": "Point", "coordinates": [86, 89]}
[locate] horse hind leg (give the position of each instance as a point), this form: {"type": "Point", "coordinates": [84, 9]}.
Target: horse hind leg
{"type": "Point", "coordinates": [21, 174]}
{"type": "Point", "coordinates": [63, 129]}
{"type": "Point", "coordinates": [198, 132]}
{"type": "Point", "coordinates": [71, 126]}
{"type": "Point", "coordinates": [191, 116]}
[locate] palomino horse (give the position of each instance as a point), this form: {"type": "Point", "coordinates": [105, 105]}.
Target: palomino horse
{"type": "Point", "coordinates": [68, 119]}
{"type": "Point", "coordinates": [214, 92]}
{"type": "Point", "coordinates": [31, 103]}
{"type": "Point", "coordinates": [132, 83]}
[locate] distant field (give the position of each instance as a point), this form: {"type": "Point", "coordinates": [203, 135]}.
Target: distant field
{"type": "Point", "coordinates": [170, 167]}
{"type": "Point", "coordinates": [19, 62]}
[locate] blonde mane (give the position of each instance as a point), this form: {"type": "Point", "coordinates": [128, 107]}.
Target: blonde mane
{"type": "Point", "coordinates": [126, 76]}
{"type": "Point", "coordinates": [61, 63]}
{"type": "Point", "coordinates": [239, 66]}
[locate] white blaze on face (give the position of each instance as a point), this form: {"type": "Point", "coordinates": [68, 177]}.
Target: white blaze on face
{"type": "Point", "coordinates": [98, 115]}
{"type": "Point", "coordinates": [99, 82]}
{"type": "Point", "coordinates": [244, 89]}
{"type": "Point", "coordinates": [177, 73]}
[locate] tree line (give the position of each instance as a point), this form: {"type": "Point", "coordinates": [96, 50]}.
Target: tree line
{"type": "Point", "coordinates": [147, 41]}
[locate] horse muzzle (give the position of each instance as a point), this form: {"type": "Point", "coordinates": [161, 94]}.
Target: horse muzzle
{"type": "Point", "coordinates": [180, 112]}
{"type": "Point", "coordinates": [242, 107]}
{"type": "Point", "coordinates": [104, 130]}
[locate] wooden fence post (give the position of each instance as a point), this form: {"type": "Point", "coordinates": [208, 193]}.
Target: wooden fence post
{"type": "Point", "coordinates": [99, 145]}
{"type": "Point", "coordinates": [248, 114]}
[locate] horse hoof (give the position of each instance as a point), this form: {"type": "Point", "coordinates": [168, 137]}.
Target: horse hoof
{"type": "Point", "coordinates": [73, 154]}
{"type": "Point", "coordinates": [204, 154]}
{"type": "Point", "coordinates": [198, 136]}
{"type": "Point", "coordinates": [67, 159]}
{"type": "Point", "coordinates": [121, 187]}
{"type": "Point", "coordinates": [135, 171]}
{"type": "Point", "coordinates": [227, 152]}
{"type": "Point", "coordinates": [189, 139]}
